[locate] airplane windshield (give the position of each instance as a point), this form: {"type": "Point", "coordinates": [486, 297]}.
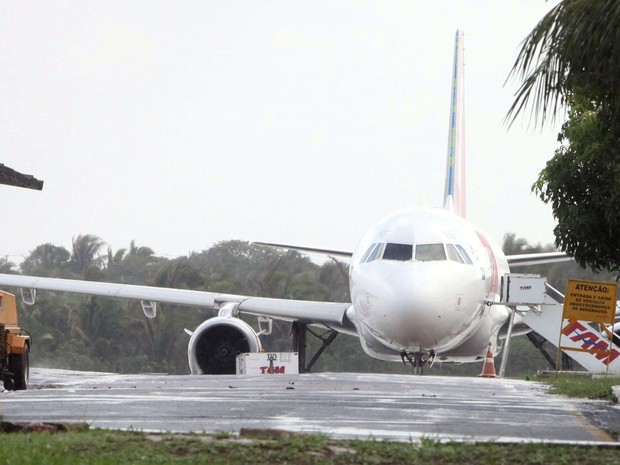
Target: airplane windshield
{"type": "Point", "coordinates": [402, 252]}
{"type": "Point", "coordinates": [457, 253]}
{"type": "Point", "coordinates": [428, 252]}
{"type": "Point", "coordinates": [368, 252]}
{"type": "Point", "coordinates": [373, 252]}
{"type": "Point", "coordinates": [453, 254]}
{"type": "Point", "coordinates": [464, 254]}
{"type": "Point", "coordinates": [423, 252]}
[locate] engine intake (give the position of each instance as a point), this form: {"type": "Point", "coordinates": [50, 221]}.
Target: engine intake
{"type": "Point", "coordinates": [215, 344]}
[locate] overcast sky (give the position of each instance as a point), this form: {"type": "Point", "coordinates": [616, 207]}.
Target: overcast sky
{"type": "Point", "coordinates": [182, 123]}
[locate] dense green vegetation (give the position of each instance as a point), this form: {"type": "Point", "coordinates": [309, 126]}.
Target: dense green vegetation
{"type": "Point", "coordinates": [570, 64]}
{"type": "Point", "coordinates": [105, 334]}
{"type": "Point", "coordinates": [107, 447]}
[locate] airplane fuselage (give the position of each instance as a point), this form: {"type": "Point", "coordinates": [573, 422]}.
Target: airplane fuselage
{"type": "Point", "coordinates": [421, 281]}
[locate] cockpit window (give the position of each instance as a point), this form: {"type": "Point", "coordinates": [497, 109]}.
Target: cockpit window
{"type": "Point", "coordinates": [368, 252]}
{"type": "Point", "coordinates": [453, 254]}
{"type": "Point", "coordinates": [402, 252]}
{"type": "Point", "coordinates": [428, 252]}
{"type": "Point", "coordinates": [376, 253]}
{"type": "Point", "coordinates": [423, 252]}
{"type": "Point", "coordinates": [464, 254]}
{"type": "Point", "coordinates": [373, 252]}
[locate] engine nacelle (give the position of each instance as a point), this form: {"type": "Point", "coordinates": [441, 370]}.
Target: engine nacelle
{"type": "Point", "coordinates": [215, 344]}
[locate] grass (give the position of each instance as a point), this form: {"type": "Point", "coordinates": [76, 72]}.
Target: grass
{"type": "Point", "coordinates": [113, 447]}
{"type": "Point", "coordinates": [586, 387]}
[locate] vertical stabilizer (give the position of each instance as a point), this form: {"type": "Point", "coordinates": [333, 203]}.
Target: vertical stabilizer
{"type": "Point", "coordinates": [454, 191]}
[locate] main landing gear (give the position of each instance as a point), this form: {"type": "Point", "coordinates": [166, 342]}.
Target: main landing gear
{"type": "Point", "coordinates": [417, 360]}
{"type": "Point", "coordinates": [300, 331]}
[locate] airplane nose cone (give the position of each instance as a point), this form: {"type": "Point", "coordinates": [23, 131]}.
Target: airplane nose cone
{"type": "Point", "coordinates": [413, 309]}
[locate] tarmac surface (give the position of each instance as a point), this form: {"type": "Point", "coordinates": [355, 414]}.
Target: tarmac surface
{"type": "Point", "coordinates": [344, 405]}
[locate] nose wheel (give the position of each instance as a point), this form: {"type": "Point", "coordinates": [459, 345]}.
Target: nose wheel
{"type": "Point", "coordinates": [417, 360]}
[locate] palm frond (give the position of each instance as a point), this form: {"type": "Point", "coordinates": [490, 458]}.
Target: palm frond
{"type": "Point", "coordinates": [576, 43]}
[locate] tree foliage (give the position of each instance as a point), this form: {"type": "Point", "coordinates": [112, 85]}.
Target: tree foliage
{"type": "Point", "coordinates": [572, 59]}
{"type": "Point", "coordinates": [85, 259]}
{"type": "Point", "coordinates": [574, 46]}
{"type": "Point", "coordinates": [582, 184]}
{"type": "Point", "coordinates": [45, 259]}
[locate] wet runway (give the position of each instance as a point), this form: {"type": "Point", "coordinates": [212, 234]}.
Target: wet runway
{"type": "Point", "coordinates": [343, 405]}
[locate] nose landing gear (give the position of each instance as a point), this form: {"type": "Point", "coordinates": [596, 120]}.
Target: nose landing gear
{"type": "Point", "coordinates": [417, 360]}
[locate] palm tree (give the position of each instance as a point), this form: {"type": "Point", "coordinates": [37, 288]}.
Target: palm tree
{"type": "Point", "coordinates": [135, 251]}
{"type": "Point", "coordinates": [86, 253]}
{"type": "Point", "coordinates": [571, 59]}
{"type": "Point", "coordinates": [132, 265]}
{"type": "Point", "coordinates": [574, 47]}
{"type": "Point", "coordinates": [45, 260]}
{"type": "Point", "coordinates": [115, 258]}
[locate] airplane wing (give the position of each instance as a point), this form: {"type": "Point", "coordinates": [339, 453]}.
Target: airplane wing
{"type": "Point", "coordinates": [339, 253]}
{"type": "Point", "coordinates": [542, 258]}
{"type": "Point", "coordinates": [328, 313]}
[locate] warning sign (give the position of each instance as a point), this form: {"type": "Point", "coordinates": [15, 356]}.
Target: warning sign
{"type": "Point", "coordinates": [590, 301]}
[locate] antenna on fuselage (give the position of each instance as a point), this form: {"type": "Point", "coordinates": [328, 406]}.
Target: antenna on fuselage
{"type": "Point", "coordinates": [454, 190]}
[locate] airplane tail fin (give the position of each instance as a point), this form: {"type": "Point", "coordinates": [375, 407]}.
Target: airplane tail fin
{"type": "Point", "coordinates": [454, 191]}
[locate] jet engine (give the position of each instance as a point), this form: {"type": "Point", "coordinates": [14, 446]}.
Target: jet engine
{"type": "Point", "coordinates": [215, 344]}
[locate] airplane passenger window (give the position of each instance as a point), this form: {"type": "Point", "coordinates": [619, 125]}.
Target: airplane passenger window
{"type": "Point", "coordinates": [464, 254]}
{"type": "Point", "coordinates": [428, 252]}
{"type": "Point", "coordinates": [402, 252]}
{"type": "Point", "coordinates": [453, 253]}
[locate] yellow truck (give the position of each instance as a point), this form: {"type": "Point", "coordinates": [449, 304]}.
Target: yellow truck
{"type": "Point", "coordinates": [14, 346]}
{"type": "Point", "coordinates": [14, 341]}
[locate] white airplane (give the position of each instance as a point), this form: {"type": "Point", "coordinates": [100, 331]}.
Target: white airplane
{"type": "Point", "coordinates": [421, 285]}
